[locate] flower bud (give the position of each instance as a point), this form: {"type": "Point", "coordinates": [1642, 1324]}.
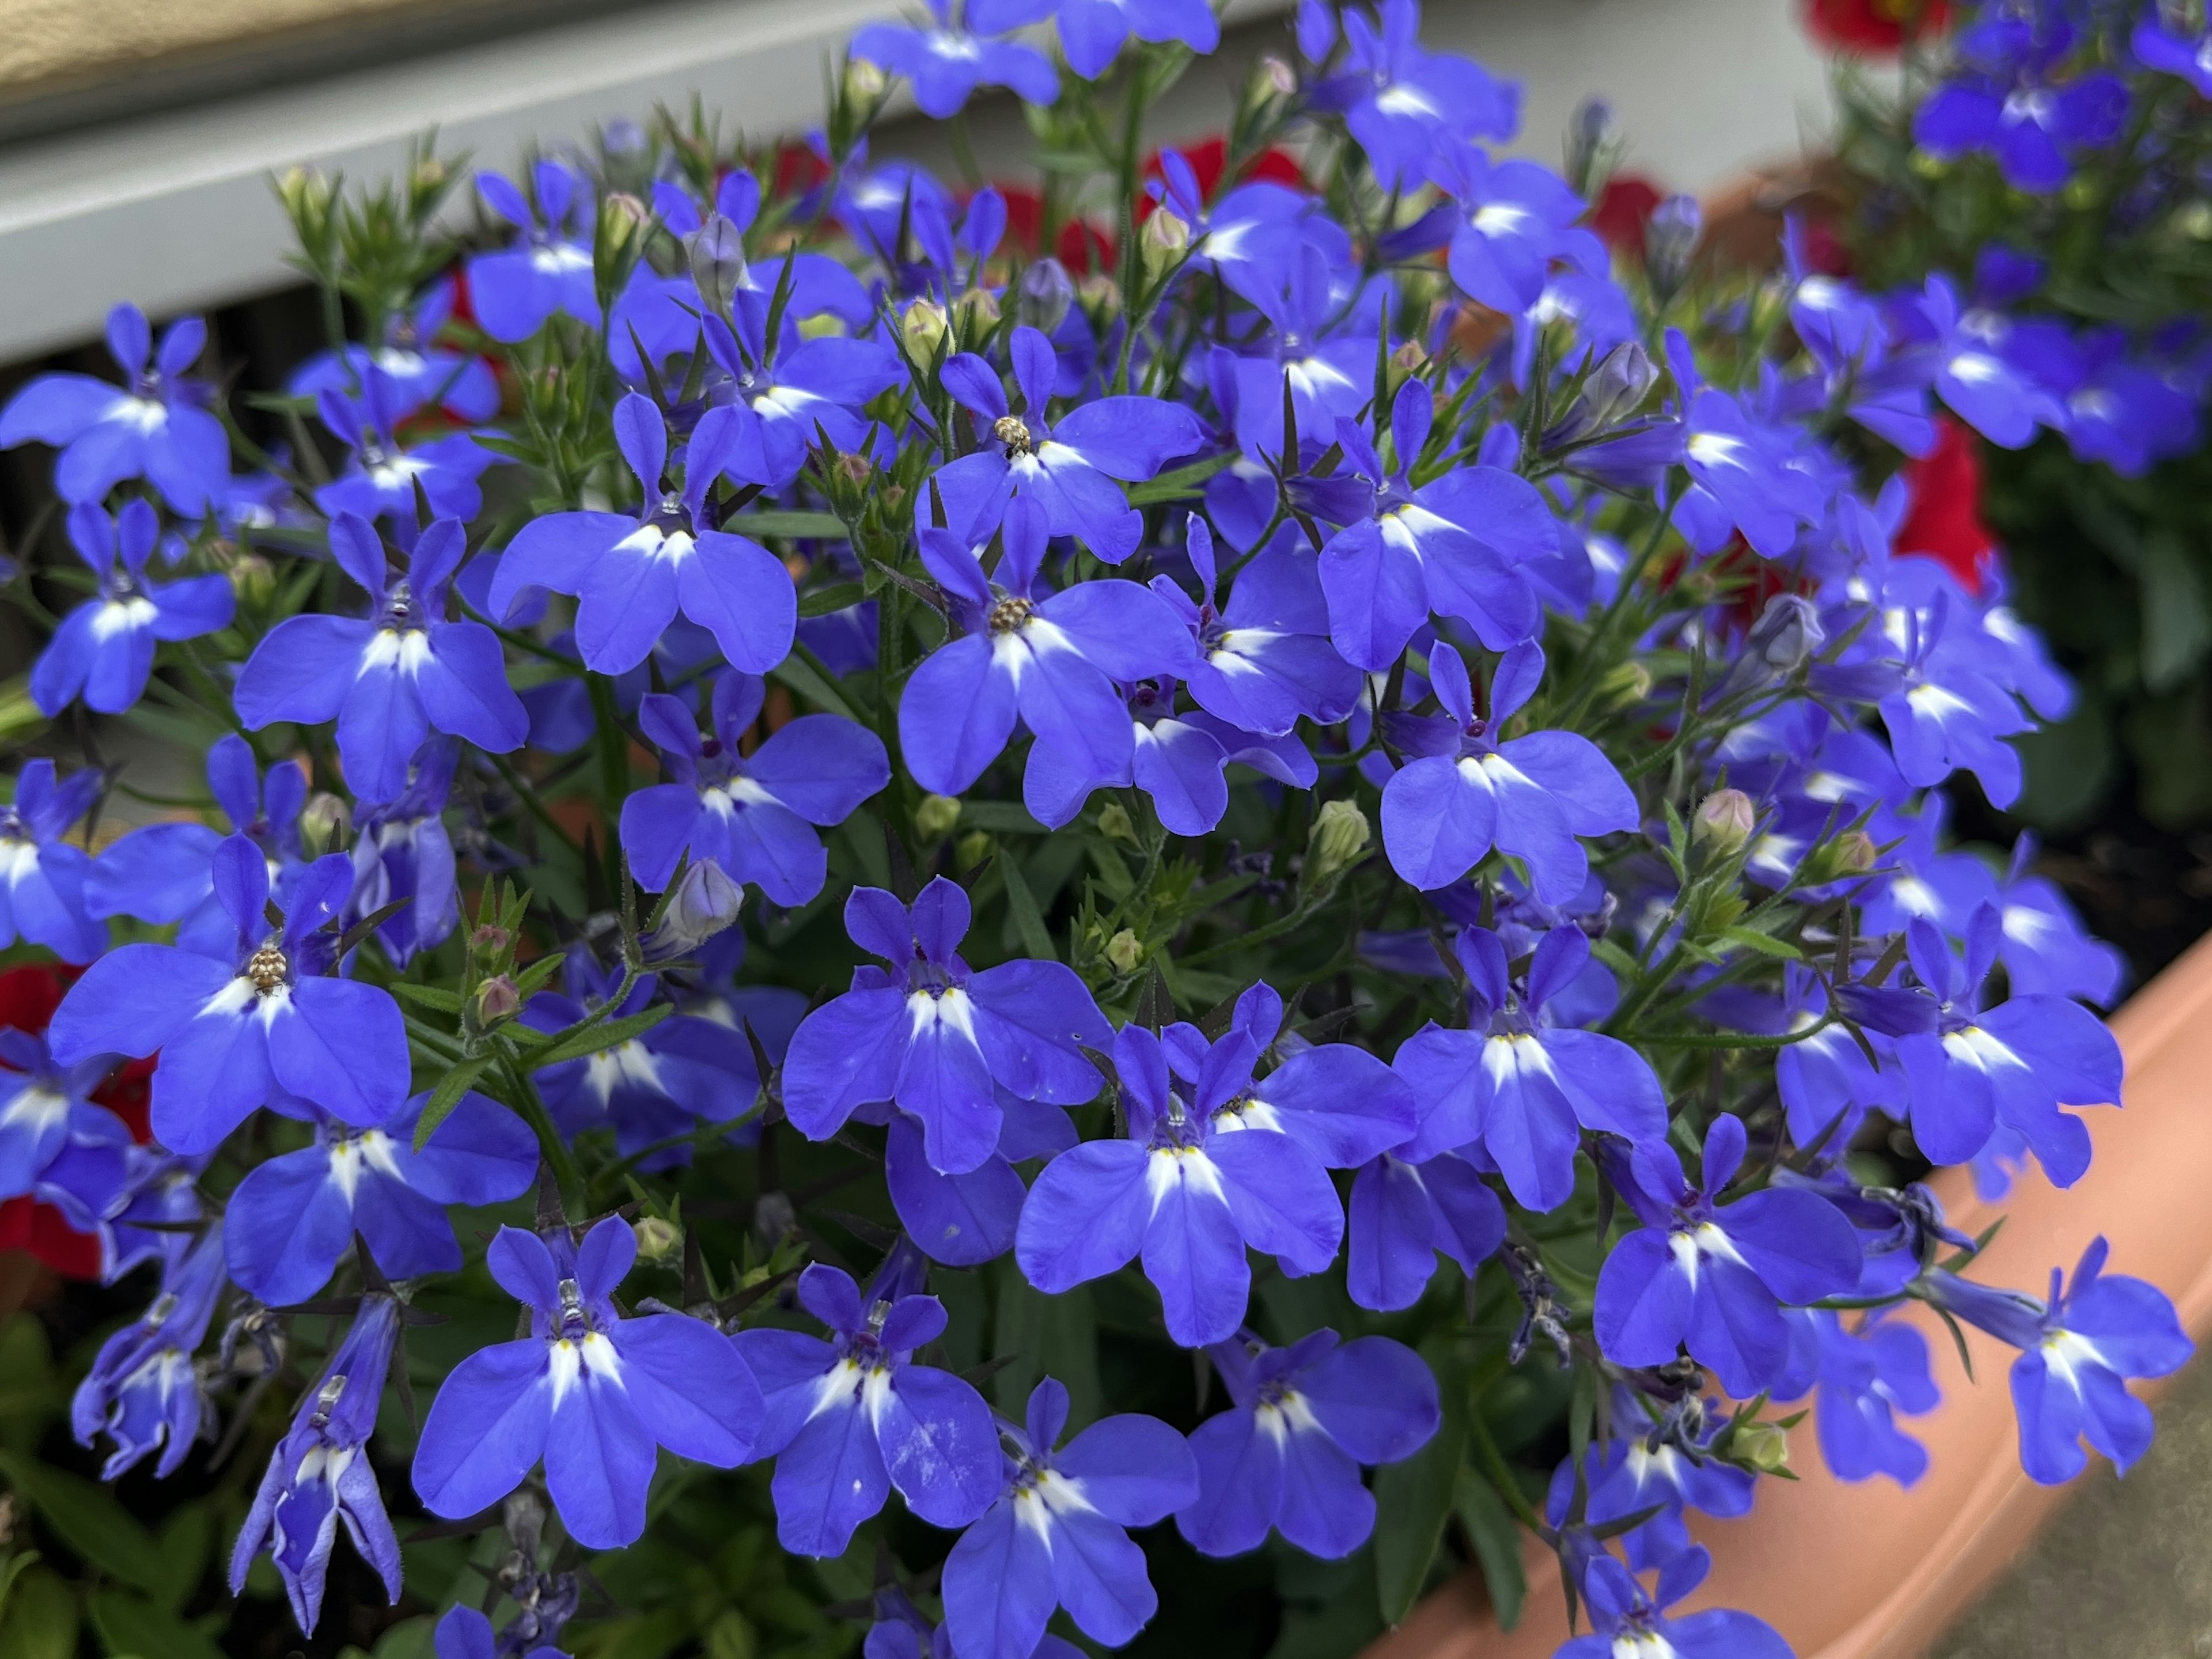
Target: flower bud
{"type": "Point", "coordinates": [922, 328]}
{"type": "Point", "coordinates": [1282, 79]}
{"type": "Point", "coordinates": [970, 850]}
{"type": "Point", "coordinates": [705, 902]}
{"type": "Point", "coordinates": [1590, 144]}
{"type": "Point", "coordinates": [307, 193]}
{"type": "Point", "coordinates": [1614, 391]}
{"type": "Point", "coordinates": [1764, 1447]}
{"type": "Point", "coordinates": [622, 217]}
{"type": "Point", "coordinates": [1101, 298]}
{"type": "Point", "coordinates": [1337, 841]}
{"type": "Point", "coordinates": [658, 1240]}
{"type": "Point", "coordinates": [323, 823]}
{"type": "Point", "coordinates": [977, 312]}
{"type": "Point", "coordinates": [1723, 822]}
{"type": "Point", "coordinates": [1123, 952]}
{"type": "Point", "coordinates": [489, 943]}
{"type": "Point", "coordinates": [497, 999]}
{"type": "Point", "coordinates": [1163, 242]}
{"type": "Point", "coordinates": [1047, 291]}
{"type": "Point", "coordinates": [1787, 634]}
{"type": "Point", "coordinates": [1670, 242]}
{"type": "Point", "coordinates": [1851, 854]}
{"type": "Point", "coordinates": [1624, 685]}
{"type": "Point", "coordinates": [717, 263]}
{"type": "Point", "coordinates": [1115, 823]}
{"type": "Point", "coordinates": [251, 579]}
{"type": "Point", "coordinates": [863, 81]}
{"type": "Point", "coordinates": [936, 817]}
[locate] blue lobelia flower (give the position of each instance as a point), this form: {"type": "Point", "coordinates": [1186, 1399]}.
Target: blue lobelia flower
{"type": "Point", "coordinates": [850, 1419]}
{"type": "Point", "coordinates": [548, 269]}
{"type": "Point", "coordinates": [1246, 236]}
{"type": "Point", "coordinates": [418, 372]}
{"type": "Point", "coordinates": [1523, 1085]}
{"type": "Point", "coordinates": [1402, 1213]}
{"type": "Point", "coordinates": [1866, 1379]}
{"type": "Point", "coordinates": [104, 649]}
{"type": "Point", "coordinates": [2014, 1064]}
{"type": "Point", "coordinates": [1630, 1620]}
{"type": "Point", "coordinates": [902, 1632]}
{"type": "Point", "coordinates": [154, 427]}
{"type": "Point", "coordinates": [937, 1038]}
{"type": "Point", "coordinates": [1051, 661]}
{"type": "Point", "coordinates": [1264, 658]}
{"type": "Point", "coordinates": [319, 1474]}
{"type": "Point", "coordinates": [1827, 1082]}
{"type": "Point", "coordinates": [165, 872]}
{"type": "Point", "coordinates": [1660, 1456]}
{"type": "Point", "coordinates": [1190, 1187]}
{"type": "Point", "coordinates": [1712, 1276]}
{"type": "Point", "coordinates": [588, 1391]}
{"type": "Point", "coordinates": [1514, 219]}
{"type": "Point", "coordinates": [1742, 480]}
{"type": "Point", "coordinates": [1464, 792]}
{"type": "Point", "coordinates": [783, 404]}
{"type": "Point", "coordinates": [382, 477]}
{"type": "Point", "coordinates": [2158, 46]}
{"type": "Point", "coordinates": [2046, 950]}
{"type": "Point", "coordinates": [391, 677]}
{"type": "Point", "coordinates": [1325, 357]}
{"type": "Point", "coordinates": [464, 1633]}
{"type": "Point", "coordinates": [1057, 1537]}
{"type": "Point", "coordinates": [141, 1389]}
{"type": "Point", "coordinates": [2077, 1351]}
{"type": "Point", "coordinates": [1093, 32]}
{"type": "Point", "coordinates": [1286, 1453]}
{"type": "Point", "coordinates": [752, 814]}
{"type": "Point", "coordinates": [652, 1088]}
{"type": "Point", "coordinates": [2033, 128]}
{"type": "Point", "coordinates": [268, 1024]}
{"type": "Point", "coordinates": [294, 1216]}
{"type": "Point", "coordinates": [946, 60]}
{"type": "Point", "coordinates": [632, 574]}
{"type": "Point", "coordinates": [401, 851]}
{"type": "Point", "coordinates": [1400, 101]}
{"type": "Point", "coordinates": [1455, 547]}
{"type": "Point", "coordinates": [1069, 469]}
{"type": "Point", "coordinates": [42, 877]}
{"type": "Point", "coordinates": [1981, 383]}
{"type": "Point", "coordinates": [53, 1138]}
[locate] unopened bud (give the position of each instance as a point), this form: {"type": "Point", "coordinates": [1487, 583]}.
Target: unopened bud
{"type": "Point", "coordinates": [251, 579]}
{"type": "Point", "coordinates": [936, 817]}
{"type": "Point", "coordinates": [497, 999]}
{"type": "Point", "coordinates": [922, 328]}
{"type": "Point", "coordinates": [717, 263]}
{"type": "Point", "coordinates": [1614, 390]}
{"type": "Point", "coordinates": [489, 942]}
{"type": "Point", "coordinates": [1123, 952]}
{"type": "Point", "coordinates": [1761, 1446]}
{"type": "Point", "coordinates": [1101, 296]}
{"type": "Point", "coordinates": [1851, 854]}
{"type": "Point", "coordinates": [658, 1240]}
{"type": "Point", "coordinates": [854, 468]}
{"type": "Point", "coordinates": [1115, 823]}
{"type": "Point", "coordinates": [977, 312]}
{"type": "Point", "coordinates": [1723, 822]}
{"type": "Point", "coordinates": [324, 822]}
{"type": "Point", "coordinates": [307, 193]}
{"type": "Point", "coordinates": [1670, 242]}
{"type": "Point", "coordinates": [1281, 77]}
{"type": "Point", "coordinates": [863, 81]}
{"type": "Point", "coordinates": [1787, 634]}
{"type": "Point", "coordinates": [1590, 143]}
{"type": "Point", "coordinates": [971, 849]}
{"type": "Point", "coordinates": [1624, 685]}
{"type": "Point", "coordinates": [1047, 291]}
{"type": "Point", "coordinates": [622, 218]}
{"type": "Point", "coordinates": [705, 902]}
{"type": "Point", "coordinates": [1338, 841]}
{"type": "Point", "coordinates": [1163, 241]}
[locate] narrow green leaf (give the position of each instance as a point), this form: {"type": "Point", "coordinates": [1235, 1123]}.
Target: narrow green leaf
{"type": "Point", "coordinates": [999, 817]}
{"type": "Point", "coordinates": [820, 527]}
{"type": "Point", "coordinates": [16, 1564]}
{"type": "Point", "coordinates": [1765, 944]}
{"type": "Point", "coordinates": [593, 1039]}
{"type": "Point", "coordinates": [826, 600]}
{"type": "Point", "coordinates": [89, 1518]}
{"type": "Point", "coordinates": [1184, 483]}
{"type": "Point", "coordinates": [447, 1096]}
{"type": "Point", "coordinates": [131, 1626]}
{"type": "Point", "coordinates": [1041, 1336]}
{"type": "Point", "coordinates": [798, 674]}
{"type": "Point", "coordinates": [1411, 1500]}
{"type": "Point", "coordinates": [429, 996]}
{"type": "Point", "coordinates": [1028, 920]}
{"type": "Point", "coordinates": [41, 1619]}
{"type": "Point", "coordinates": [1496, 1539]}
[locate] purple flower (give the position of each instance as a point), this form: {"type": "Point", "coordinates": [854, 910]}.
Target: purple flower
{"type": "Point", "coordinates": [2044, 949]}
{"type": "Point", "coordinates": [1866, 1379]}
{"type": "Point", "coordinates": [319, 1475]}
{"type": "Point", "coordinates": [2077, 1351]}
{"type": "Point", "coordinates": [1827, 1082]}
{"type": "Point", "coordinates": [1400, 101]}
{"type": "Point", "coordinates": [104, 649]}
{"type": "Point", "coordinates": [464, 1633]}
{"type": "Point", "coordinates": [391, 677]}
{"type": "Point", "coordinates": [154, 427]}
{"type": "Point", "coordinates": [1521, 1084]}
{"type": "Point", "coordinates": [417, 373]}
{"type": "Point", "coordinates": [1949, 713]}
{"type": "Point", "coordinates": [850, 1419]}
{"type": "Point", "coordinates": [1051, 661]}
{"type": "Point", "coordinates": [401, 851]}
{"type": "Point", "coordinates": [1712, 1276]}
{"type": "Point", "coordinates": [294, 1216]}
{"type": "Point", "coordinates": [42, 877]}
{"type": "Point", "coordinates": [1068, 469]}
{"type": "Point", "coordinates": [1453, 546]}
{"type": "Point", "coordinates": [165, 872]}
{"type": "Point", "coordinates": [588, 1391]}
{"type": "Point", "coordinates": [549, 268]}
{"type": "Point", "coordinates": [1514, 219]}
{"type": "Point", "coordinates": [947, 61]}
{"type": "Point", "coordinates": [1093, 32]}
{"type": "Point", "coordinates": [753, 815]}
{"type": "Point", "coordinates": [1981, 382]}
{"type": "Point", "coordinates": [54, 1141]}
{"type": "Point", "coordinates": [1630, 1620]}
{"type": "Point", "coordinates": [1208, 1168]}
{"type": "Point", "coordinates": [631, 575]}
{"type": "Point", "coordinates": [2032, 128]}
{"type": "Point", "coordinates": [2158, 48]}
{"type": "Point", "coordinates": [267, 1024]}
{"type": "Point", "coordinates": [1286, 1455]}
{"type": "Point", "coordinates": [2014, 1064]}
{"type": "Point", "coordinates": [1464, 792]}
{"type": "Point", "coordinates": [383, 479]}
{"type": "Point", "coordinates": [1326, 357]}
{"type": "Point", "coordinates": [1056, 1537]}
{"type": "Point", "coordinates": [1660, 1457]}
{"type": "Point", "coordinates": [1402, 1213]}
{"type": "Point", "coordinates": [937, 1038]}
{"type": "Point", "coordinates": [142, 1388]}
{"type": "Point", "coordinates": [785, 404]}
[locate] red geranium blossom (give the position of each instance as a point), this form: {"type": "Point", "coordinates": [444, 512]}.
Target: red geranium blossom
{"type": "Point", "coordinates": [1877, 26]}
{"type": "Point", "coordinates": [1944, 517]}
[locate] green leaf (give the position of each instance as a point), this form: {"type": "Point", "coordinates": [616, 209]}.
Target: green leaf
{"type": "Point", "coordinates": [1184, 483]}
{"type": "Point", "coordinates": [999, 817]}
{"type": "Point", "coordinates": [1028, 920]}
{"type": "Point", "coordinates": [820, 527]}
{"type": "Point", "coordinates": [41, 1619]}
{"type": "Point", "coordinates": [89, 1518]}
{"type": "Point", "coordinates": [429, 996]}
{"type": "Point", "coordinates": [447, 1096]}
{"type": "Point", "coordinates": [1765, 944]}
{"type": "Point", "coordinates": [593, 1039]}
{"type": "Point", "coordinates": [798, 674]}
{"type": "Point", "coordinates": [843, 597]}
{"type": "Point", "coordinates": [185, 1538]}
{"type": "Point", "coordinates": [131, 1626]}
{"type": "Point", "coordinates": [14, 1567]}
{"type": "Point", "coordinates": [2176, 630]}
{"type": "Point", "coordinates": [1411, 1500]}
{"type": "Point", "coordinates": [1044, 1336]}
{"type": "Point", "coordinates": [1496, 1538]}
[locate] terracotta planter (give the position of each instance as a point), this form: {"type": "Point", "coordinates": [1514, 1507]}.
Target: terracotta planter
{"type": "Point", "coordinates": [1870, 1570]}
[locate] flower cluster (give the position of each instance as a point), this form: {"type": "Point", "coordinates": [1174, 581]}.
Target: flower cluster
{"type": "Point", "coordinates": [1352, 778]}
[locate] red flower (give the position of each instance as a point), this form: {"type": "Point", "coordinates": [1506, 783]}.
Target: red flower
{"type": "Point", "coordinates": [28, 997]}
{"type": "Point", "coordinates": [1623, 209]}
{"type": "Point", "coordinates": [1944, 518]}
{"type": "Point", "coordinates": [1875, 26]}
